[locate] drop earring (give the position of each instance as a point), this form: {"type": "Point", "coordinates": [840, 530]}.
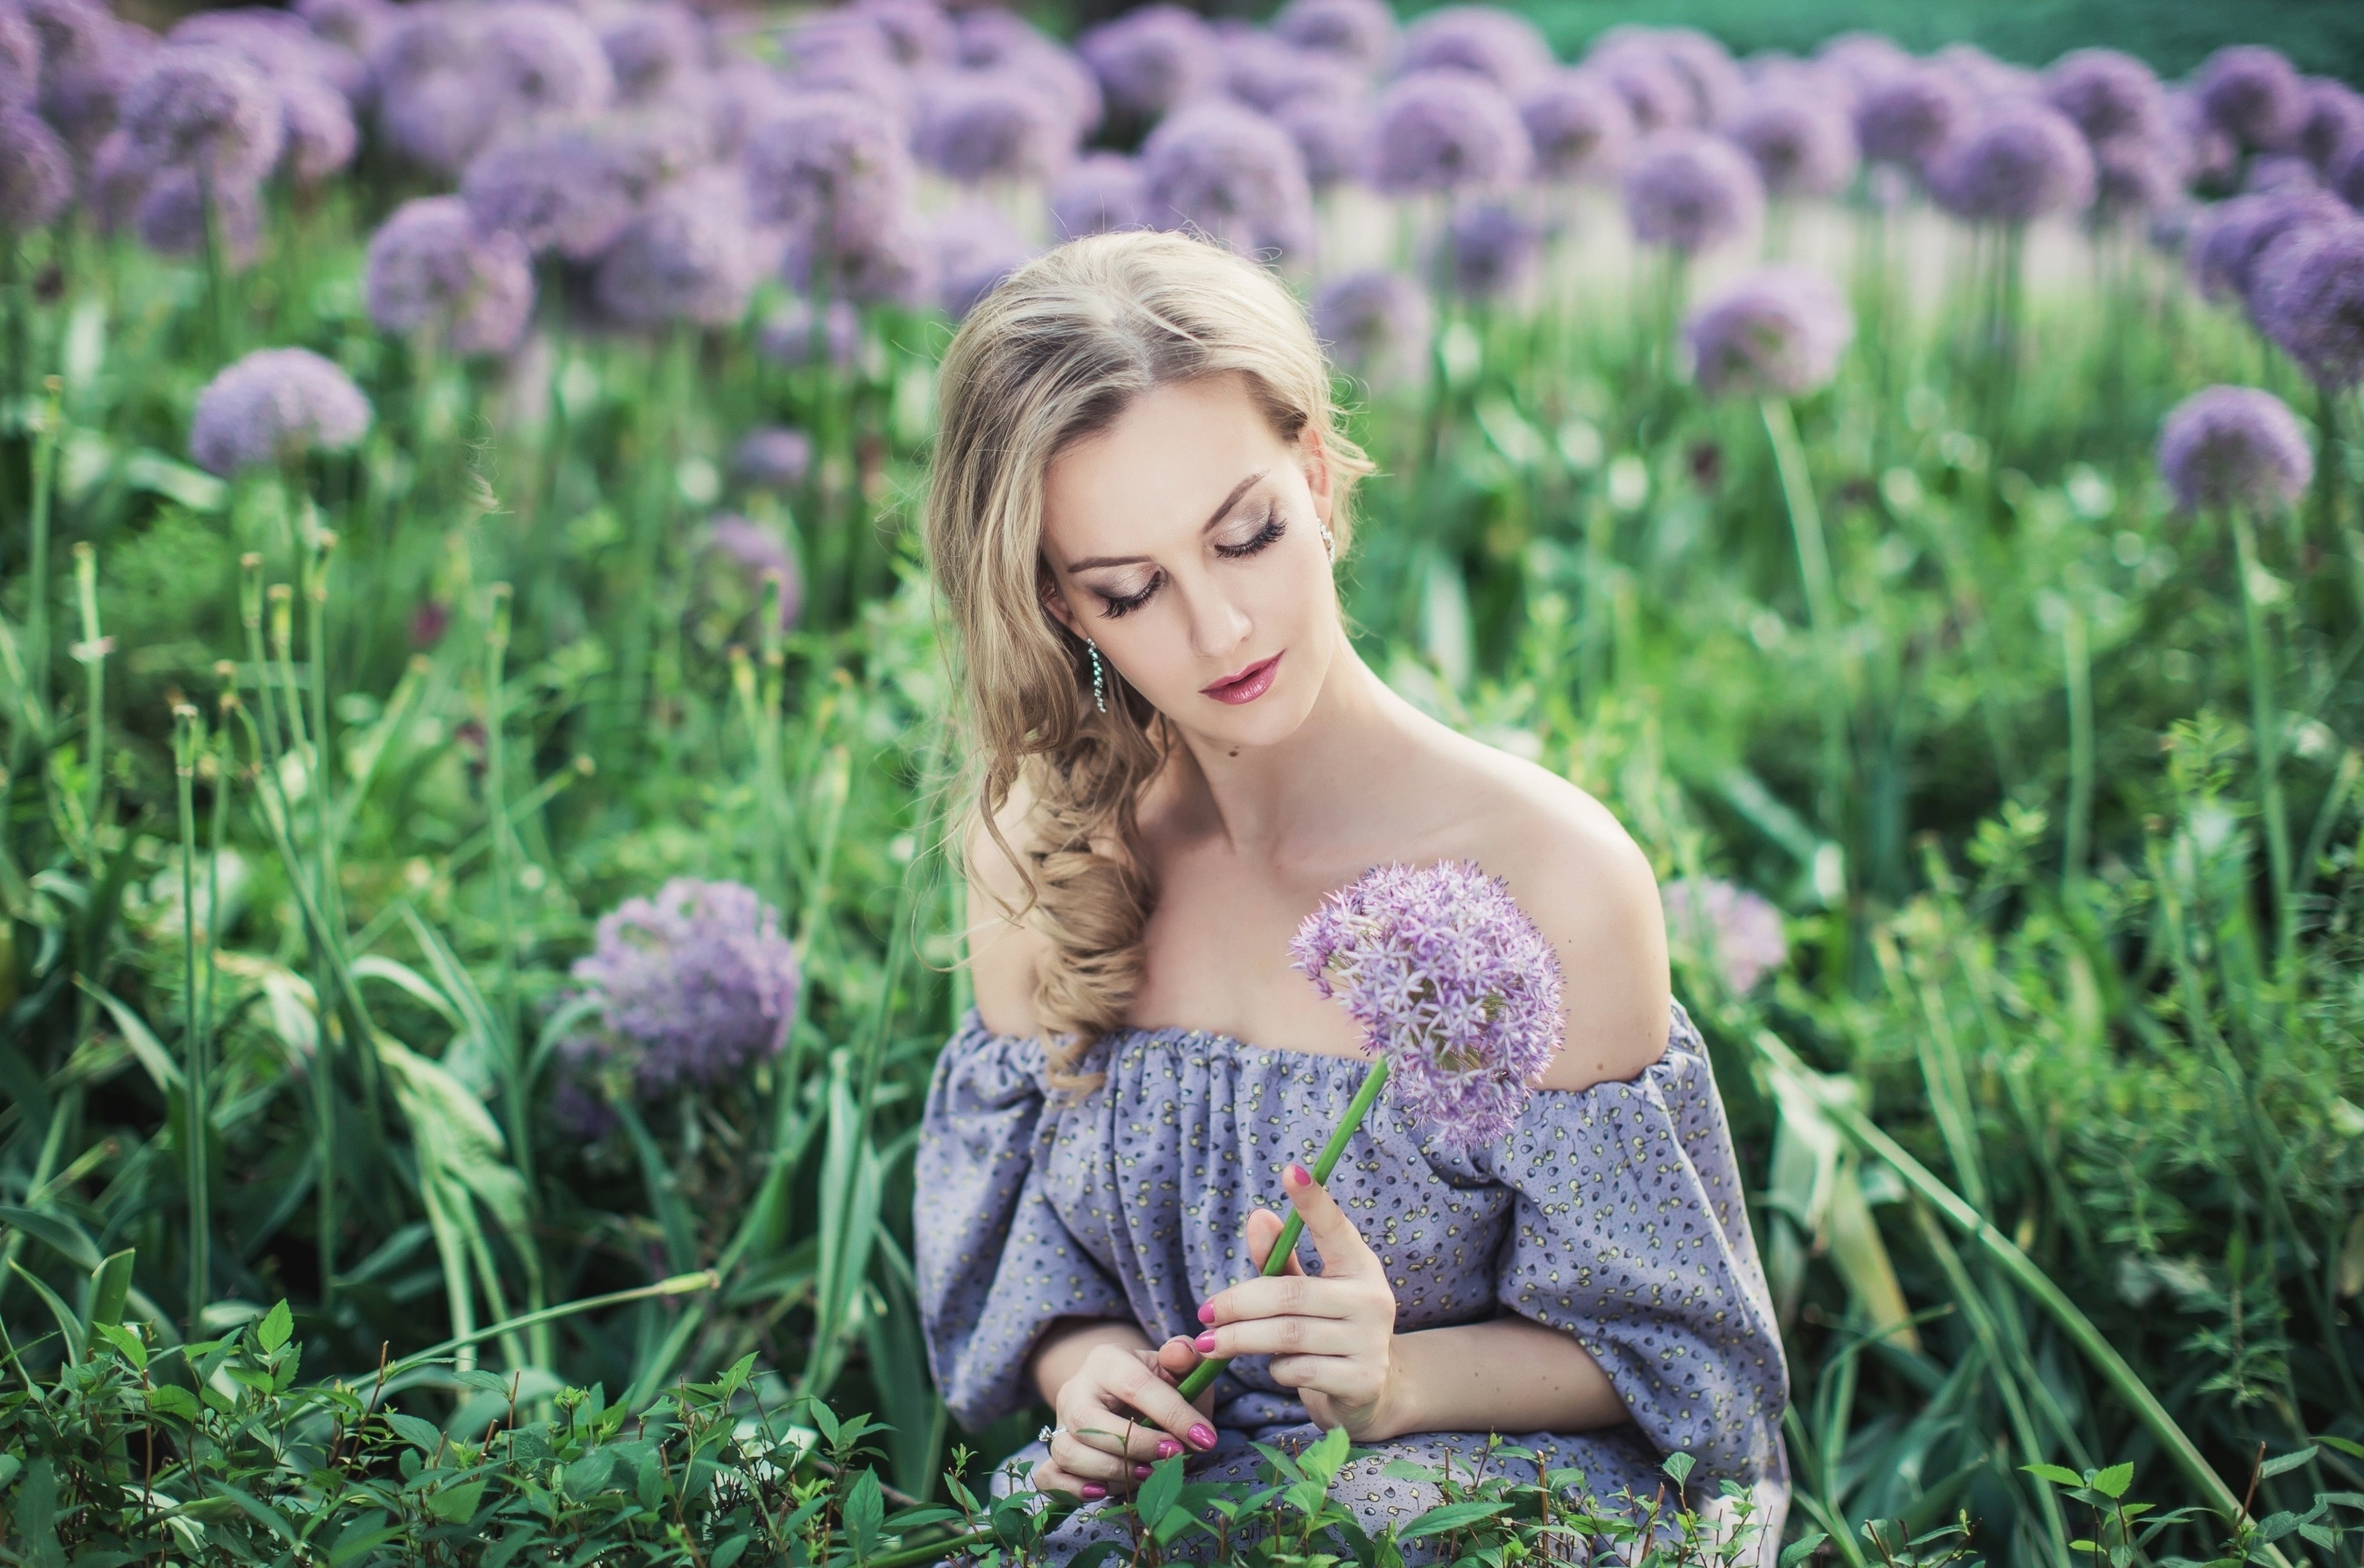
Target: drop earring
{"type": "Point", "coordinates": [1328, 541]}
{"type": "Point", "coordinates": [1100, 681]}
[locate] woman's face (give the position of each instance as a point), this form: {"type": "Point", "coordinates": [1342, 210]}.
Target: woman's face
{"type": "Point", "coordinates": [1186, 540]}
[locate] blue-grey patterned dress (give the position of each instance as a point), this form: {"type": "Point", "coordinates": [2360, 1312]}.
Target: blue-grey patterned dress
{"type": "Point", "coordinates": [1613, 1212]}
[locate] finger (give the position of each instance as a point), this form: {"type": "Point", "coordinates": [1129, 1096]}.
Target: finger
{"type": "Point", "coordinates": [1123, 1439]}
{"type": "Point", "coordinates": [1283, 1296]}
{"type": "Point", "coordinates": [1157, 1405]}
{"type": "Point", "coordinates": [1263, 1230]}
{"type": "Point", "coordinates": [1049, 1477]}
{"type": "Point", "coordinates": [1076, 1453]}
{"type": "Point", "coordinates": [1177, 1358]}
{"type": "Point", "coordinates": [1347, 1378]}
{"type": "Point", "coordinates": [1342, 1246]}
{"type": "Point", "coordinates": [1285, 1337]}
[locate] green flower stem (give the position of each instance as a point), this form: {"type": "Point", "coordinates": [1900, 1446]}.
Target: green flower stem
{"type": "Point", "coordinates": [2266, 722]}
{"type": "Point", "coordinates": [1822, 601]}
{"type": "Point", "coordinates": [92, 651]}
{"type": "Point", "coordinates": [37, 606]}
{"type": "Point", "coordinates": [2076, 663]}
{"type": "Point", "coordinates": [1294, 1226]}
{"type": "Point", "coordinates": [187, 740]}
{"type": "Point", "coordinates": [695, 1284]}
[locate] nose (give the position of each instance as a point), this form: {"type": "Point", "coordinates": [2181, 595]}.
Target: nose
{"type": "Point", "coordinates": [1218, 626]}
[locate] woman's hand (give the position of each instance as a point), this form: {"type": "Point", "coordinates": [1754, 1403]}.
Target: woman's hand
{"type": "Point", "coordinates": [1332, 1339]}
{"type": "Point", "coordinates": [1118, 1414]}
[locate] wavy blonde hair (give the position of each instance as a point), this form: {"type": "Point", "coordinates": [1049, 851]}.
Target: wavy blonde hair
{"type": "Point", "coordinates": [1052, 356]}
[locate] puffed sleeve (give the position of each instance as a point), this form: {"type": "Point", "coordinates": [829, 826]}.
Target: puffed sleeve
{"type": "Point", "coordinates": [1631, 1233]}
{"type": "Point", "coordinates": [996, 1265]}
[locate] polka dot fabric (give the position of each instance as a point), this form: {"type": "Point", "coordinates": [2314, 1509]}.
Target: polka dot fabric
{"type": "Point", "coordinates": [1613, 1212]}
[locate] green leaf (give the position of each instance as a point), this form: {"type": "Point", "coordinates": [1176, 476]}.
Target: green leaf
{"type": "Point", "coordinates": [1452, 1516]}
{"type": "Point", "coordinates": [865, 1510]}
{"type": "Point", "coordinates": [69, 1324]}
{"type": "Point", "coordinates": [2113, 1482]}
{"type": "Point", "coordinates": [277, 1324]}
{"type": "Point", "coordinates": [1158, 1492]}
{"type": "Point", "coordinates": [2283, 1463]}
{"type": "Point", "coordinates": [35, 1511]}
{"type": "Point", "coordinates": [1797, 1551]}
{"type": "Point", "coordinates": [110, 1287]}
{"type": "Point", "coordinates": [456, 1505]}
{"type": "Point", "coordinates": [1321, 1461]}
{"type": "Point", "coordinates": [126, 1342]}
{"type": "Point", "coordinates": [2056, 1474]}
{"type": "Point", "coordinates": [424, 1435]}
{"type": "Point", "coordinates": [2347, 1446]}
{"type": "Point", "coordinates": [1678, 1467]}
{"type": "Point", "coordinates": [55, 1231]}
{"type": "Point", "coordinates": [730, 1550]}
{"type": "Point", "coordinates": [172, 1399]}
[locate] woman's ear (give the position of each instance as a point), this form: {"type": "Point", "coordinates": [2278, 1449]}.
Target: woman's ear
{"type": "Point", "coordinates": [1314, 459]}
{"type": "Point", "coordinates": [1055, 603]}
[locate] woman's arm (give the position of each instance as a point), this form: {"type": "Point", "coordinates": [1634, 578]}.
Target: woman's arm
{"type": "Point", "coordinates": [1507, 1375]}
{"type": "Point", "coordinates": [1068, 1343]}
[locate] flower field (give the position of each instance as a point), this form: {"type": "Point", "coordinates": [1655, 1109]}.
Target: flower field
{"type": "Point", "coordinates": [477, 747]}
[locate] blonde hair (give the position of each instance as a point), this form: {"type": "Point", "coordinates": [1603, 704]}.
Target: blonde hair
{"type": "Point", "coordinates": [1052, 355]}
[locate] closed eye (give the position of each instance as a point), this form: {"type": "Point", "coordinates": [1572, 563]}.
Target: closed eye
{"type": "Point", "coordinates": [1132, 602]}
{"type": "Point", "coordinates": [1273, 528]}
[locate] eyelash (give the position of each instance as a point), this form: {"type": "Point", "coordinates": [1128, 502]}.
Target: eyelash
{"type": "Point", "coordinates": [1272, 530]}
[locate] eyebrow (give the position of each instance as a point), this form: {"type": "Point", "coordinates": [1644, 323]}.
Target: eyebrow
{"type": "Point", "coordinates": [1221, 512]}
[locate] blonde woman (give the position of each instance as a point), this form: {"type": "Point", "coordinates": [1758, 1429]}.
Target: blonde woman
{"type": "Point", "coordinates": [1140, 494]}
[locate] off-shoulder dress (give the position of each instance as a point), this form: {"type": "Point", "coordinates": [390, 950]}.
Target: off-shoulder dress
{"type": "Point", "coordinates": [1613, 1212]}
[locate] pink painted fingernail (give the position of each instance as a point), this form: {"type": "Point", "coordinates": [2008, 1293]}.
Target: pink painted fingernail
{"type": "Point", "coordinates": [1204, 1344]}
{"type": "Point", "coordinates": [1202, 1436]}
{"type": "Point", "coordinates": [1141, 1472]}
{"type": "Point", "coordinates": [1300, 1176]}
{"type": "Point", "coordinates": [1094, 1489]}
{"type": "Point", "coordinates": [1167, 1448]}
{"type": "Point", "coordinates": [1206, 1312]}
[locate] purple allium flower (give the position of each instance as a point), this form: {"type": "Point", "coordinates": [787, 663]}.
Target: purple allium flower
{"type": "Point", "coordinates": [169, 215]}
{"type": "Point", "coordinates": [1099, 193]}
{"type": "Point", "coordinates": [318, 122]}
{"type": "Point", "coordinates": [2307, 295]}
{"type": "Point", "coordinates": [839, 52]}
{"type": "Point", "coordinates": [2333, 129]}
{"type": "Point", "coordinates": [695, 984]}
{"type": "Point", "coordinates": [990, 36]}
{"type": "Point", "coordinates": [1777, 332]}
{"type": "Point", "coordinates": [829, 167]}
{"type": "Point", "coordinates": [204, 109]}
{"type": "Point", "coordinates": [2108, 93]}
{"type": "Point", "coordinates": [1231, 173]}
{"type": "Point", "coordinates": [2208, 154]}
{"type": "Point", "coordinates": [35, 171]}
{"type": "Point", "coordinates": [1691, 192]}
{"type": "Point", "coordinates": [1865, 60]}
{"type": "Point", "coordinates": [1578, 124]}
{"type": "Point", "coordinates": [272, 407]}
{"type": "Point", "coordinates": [1487, 40]}
{"type": "Point", "coordinates": [1487, 249]}
{"type": "Point", "coordinates": [2270, 171]}
{"type": "Point", "coordinates": [276, 43]}
{"type": "Point", "coordinates": [1377, 325]}
{"type": "Point", "coordinates": [918, 33]}
{"type": "Point", "coordinates": [776, 457]}
{"type": "Point", "coordinates": [991, 125]}
{"type": "Point", "coordinates": [557, 187]}
{"type": "Point", "coordinates": [690, 254]}
{"type": "Point", "coordinates": [1268, 73]}
{"type": "Point", "coordinates": [1447, 130]}
{"type": "Point", "coordinates": [1907, 117]}
{"type": "Point", "coordinates": [1657, 96]}
{"type": "Point", "coordinates": [2020, 160]}
{"type": "Point", "coordinates": [1982, 75]}
{"type": "Point", "coordinates": [2347, 180]}
{"type": "Point", "coordinates": [893, 262]}
{"type": "Point", "coordinates": [20, 61]}
{"type": "Point", "coordinates": [1454, 987]}
{"type": "Point", "coordinates": [1801, 143]}
{"type": "Point", "coordinates": [353, 24]}
{"type": "Point", "coordinates": [2136, 178]}
{"type": "Point", "coordinates": [2234, 446]}
{"type": "Point", "coordinates": [431, 269]}
{"type": "Point", "coordinates": [975, 249]}
{"type": "Point", "coordinates": [2251, 93]}
{"type": "Point", "coordinates": [1153, 58]}
{"type": "Point", "coordinates": [1738, 930]}
{"type": "Point", "coordinates": [655, 50]}
{"type": "Point", "coordinates": [1361, 32]}
{"type": "Point", "coordinates": [87, 60]}
{"type": "Point", "coordinates": [2230, 236]}
{"type": "Point", "coordinates": [759, 551]}
{"type": "Point", "coordinates": [539, 57]}
{"type": "Point", "coordinates": [786, 336]}
{"type": "Point", "coordinates": [1334, 135]}
{"type": "Point", "coordinates": [1707, 69]}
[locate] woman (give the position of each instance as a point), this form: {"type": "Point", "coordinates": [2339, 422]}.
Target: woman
{"type": "Point", "coordinates": [1140, 494]}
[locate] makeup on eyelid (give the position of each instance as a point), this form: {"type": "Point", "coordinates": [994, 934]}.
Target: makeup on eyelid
{"type": "Point", "coordinates": [1273, 528]}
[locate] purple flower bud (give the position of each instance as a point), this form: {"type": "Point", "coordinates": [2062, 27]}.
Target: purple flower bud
{"type": "Point", "coordinates": [787, 334]}
{"type": "Point", "coordinates": [2229, 236]}
{"type": "Point", "coordinates": [2308, 295]}
{"type": "Point", "coordinates": [36, 173]}
{"type": "Point", "coordinates": [1777, 332]}
{"type": "Point", "coordinates": [776, 457]}
{"type": "Point", "coordinates": [1802, 144]}
{"type": "Point", "coordinates": [1447, 130]}
{"type": "Point", "coordinates": [1738, 930]}
{"type": "Point", "coordinates": [2109, 94]}
{"type": "Point", "coordinates": [918, 33]}
{"type": "Point", "coordinates": [1691, 192]}
{"type": "Point", "coordinates": [1361, 32]}
{"type": "Point", "coordinates": [1268, 73]}
{"type": "Point", "coordinates": [1097, 194]}
{"type": "Point", "coordinates": [432, 269]}
{"type": "Point", "coordinates": [1908, 117]}
{"type": "Point", "coordinates": [692, 985]}
{"type": "Point", "coordinates": [829, 167]}
{"type": "Point", "coordinates": [690, 254]}
{"type": "Point", "coordinates": [991, 125]}
{"type": "Point", "coordinates": [1153, 58]}
{"type": "Point", "coordinates": [169, 215]}
{"type": "Point", "coordinates": [2234, 446]}
{"type": "Point", "coordinates": [1334, 135]}
{"type": "Point", "coordinates": [2020, 160]}
{"type": "Point", "coordinates": [272, 407]}
{"type": "Point", "coordinates": [1231, 173]}
{"type": "Point", "coordinates": [1487, 250]}
{"type": "Point", "coordinates": [2334, 129]}
{"type": "Point", "coordinates": [1377, 325]}
{"type": "Point", "coordinates": [1501, 46]}
{"type": "Point", "coordinates": [655, 50]}
{"type": "Point", "coordinates": [760, 552]}
{"type": "Point", "coordinates": [204, 109]}
{"type": "Point", "coordinates": [1578, 126]}
{"type": "Point", "coordinates": [2251, 93]}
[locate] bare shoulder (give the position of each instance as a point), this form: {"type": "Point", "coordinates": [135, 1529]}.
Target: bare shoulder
{"type": "Point", "coordinates": [1589, 887]}
{"type": "Point", "coordinates": [1004, 954]}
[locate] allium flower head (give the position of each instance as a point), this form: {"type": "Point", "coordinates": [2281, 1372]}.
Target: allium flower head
{"type": "Point", "coordinates": [272, 407]}
{"type": "Point", "coordinates": [2207, 153]}
{"type": "Point", "coordinates": [1986, 78]}
{"type": "Point", "coordinates": [1777, 332]}
{"type": "Point", "coordinates": [321, 137]}
{"type": "Point", "coordinates": [990, 125]}
{"type": "Point", "coordinates": [1362, 32]}
{"type": "Point", "coordinates": [277, 43]}
{"type": "Point", "coordinates": [2347, 180]}
{"type": "Point", "coordinates": [2308, 295]}
{"type": "Point", "coordinates": [1231, 173]}
{"type": "Point", "coordinates": [170, 213]}
{"type": "Point", "coordinates": [991, 35]}
{"type": "Point", "coordinates": [431, 269]}
{"type": "Point", "coordinates": [691, 254]}
{"type": "Point", "coordinates": [1377, 325]}
{"type": "Point", "coordinates": [776, 457]}
{"type": "Point", "coordinates": [2136, 178]}
{"type": "Point", "coordinates": [2270, 171]}
{"type": "Point", "coordinates": [1501, 46]}
{"type": "Point", "coordinates": [353, 24]}
{"type": "Point", "coordinates": [831, 167]}
{"type": "Point", "coordinates": [2252, 95]}
{"type": "Point", "coordinates": [2020, 160]}
{"type": "Point", "coordinates": [654, 49]}
{"type": "Point", "coordinates": [894, 262]}
{"type": "Point", "coordinates": [2334, 130]}
{"type": "Point", "coordinates": [1153, 58]}
{"type": "Point", "coordinates": [1454, 987]}
{"type": "Point", "coordinates": [20, 61]}
{"type": "Point", "coordinates": [1487, 249]}
{"type": "Point", "coordinates": [1099, 193]}
{"type": "Point", "coordinates": [975, 249]}
{"type": "Point", "coordinates": [917, 32]}
{"type": "Point", "coordinates": [786, 336]}
{"type": "Point", "coordinates": [1908, 117]}
{"type": "Point", "coordinates": [1706, 67]}
{"type": "Point", "coordinates": [2108, 93]}
{"type": "Point", "coordinates": [2234, 446]}
{"type": "Point", "coordinates": [759, 552]}
{"type": "Point", "coordinates": [204, 109]}
{"type": "Point", "coordinates": [1691, 192]}
{"type": "Point", "coordinates": [693, 985]}
{"type": "Point", "coordinates": [1802, 142]}
{"type": "Point", "coordinates": [1739, 930]}
{"type": "Point", "coordinates": [1657, 96]}
{"type": "Point", "coordinates": [1578, 123]}
{"type": "Point", "coordinates": [840, 51]}
{"type": "Point", "coordinates": [1333, 135]}
{"type": "Point", "coordinates": [87, 59]}
{"type": "Point", "coordinates": [537, 57]}
{"type": "Point", "coordinates": [1268, 73]}
{"type": "Point", "coordinates": [1865, 60]}
{"type": "Point", "coordinates": [557, 187]}
{"type": "Point", "coordinates": [1446, 130]}
{"type": "Point", "coordinates": [2232, 235]}
{"type": "Point", "coordinates": [35, 171]}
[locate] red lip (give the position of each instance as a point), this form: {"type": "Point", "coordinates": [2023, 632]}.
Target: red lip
{"type": "Point", "coordinates": [1247, 685]}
